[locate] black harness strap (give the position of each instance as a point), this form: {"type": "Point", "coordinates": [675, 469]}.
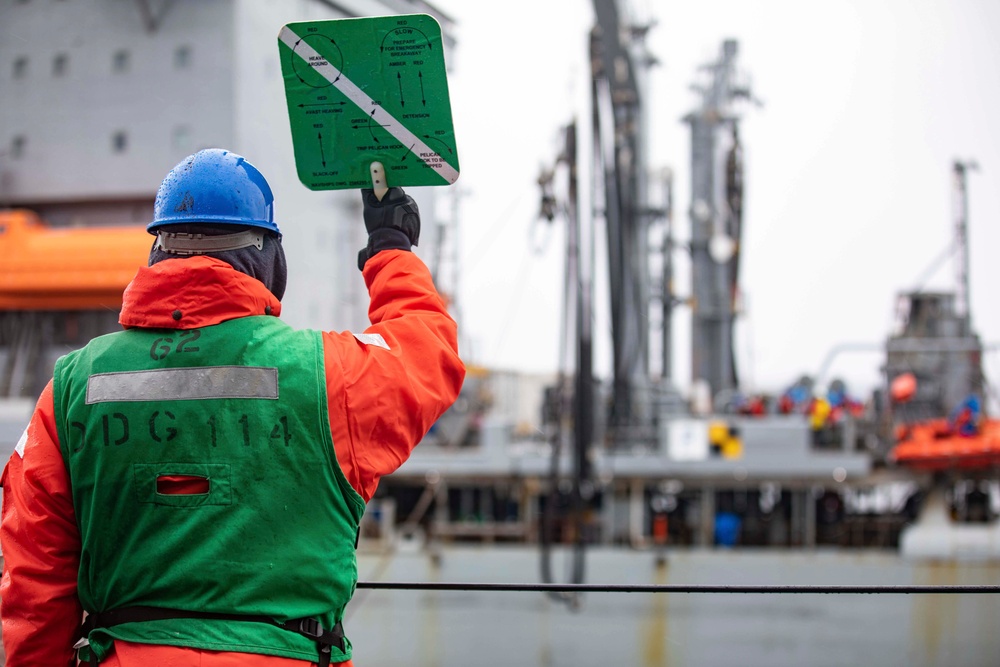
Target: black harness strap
{"type": "Point", "coordinates": [307, 627]}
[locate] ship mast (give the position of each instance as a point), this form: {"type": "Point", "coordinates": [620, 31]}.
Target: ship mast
{"type": "Point", "coordinates": [963, 303]}
{"type": "Point", "coordinates": [619, 143]}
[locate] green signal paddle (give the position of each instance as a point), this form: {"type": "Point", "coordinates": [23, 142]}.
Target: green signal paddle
{"type": "Point", "coordinates": [368, 102]}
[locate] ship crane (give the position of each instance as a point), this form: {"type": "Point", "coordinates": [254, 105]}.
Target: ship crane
{"type": "Point", "coordinates": [716, 222]}
{"type": "Point", "coordinates": [619, 170]}
{"type": "Point", "coordinates": [619, 130]}
{"type": "Point", "coordinates": [622, 196]}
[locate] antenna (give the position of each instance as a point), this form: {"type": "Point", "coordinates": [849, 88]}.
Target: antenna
{"type": "Point", "coordinates": [963, 302]}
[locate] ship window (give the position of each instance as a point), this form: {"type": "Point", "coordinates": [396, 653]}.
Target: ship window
{"type": "Point", "coordinates": [182, 137]}
{"type": "Point", "coordinates": [17, 146]}
{"type": "Point", "coordinates": [20, 67]}
{"type": "Point", "coordinates": [119, 61]}
{"type": "Point", "coordinates": [182, 57]}
{"type": "Point", "coordinates": [119, 142]}
{"type": "Point", "coordinates": [60, 64]}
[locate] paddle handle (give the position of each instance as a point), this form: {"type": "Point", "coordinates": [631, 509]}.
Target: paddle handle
{"type": "Point", "coordinates": [379, 184]}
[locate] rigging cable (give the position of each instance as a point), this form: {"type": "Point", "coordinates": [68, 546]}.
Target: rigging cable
{"type": "Point", "coordinates": [577, 589]}
{"type": "Point", "coordinates": [573, 428]}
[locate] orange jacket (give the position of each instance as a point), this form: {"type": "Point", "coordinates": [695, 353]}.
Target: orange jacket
{"type": "Point", "coordinates": [382, 400]}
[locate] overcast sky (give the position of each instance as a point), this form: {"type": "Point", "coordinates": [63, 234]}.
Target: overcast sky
{"type": "Point", "coordinates": [848, 167]}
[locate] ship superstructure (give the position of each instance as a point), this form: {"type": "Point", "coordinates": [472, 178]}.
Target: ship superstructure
{"type": "Point", "coordinates": [629, 461]}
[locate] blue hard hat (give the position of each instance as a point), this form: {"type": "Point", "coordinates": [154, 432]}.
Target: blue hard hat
{"type": "Point", "coordinates": [214, 186]}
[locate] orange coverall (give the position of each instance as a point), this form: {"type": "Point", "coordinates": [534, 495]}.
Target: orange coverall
{"type": "Point", "coordinates": [381, 403]}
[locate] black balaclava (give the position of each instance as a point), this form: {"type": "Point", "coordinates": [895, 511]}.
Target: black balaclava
{"type": "Point", "coordinates": [266, 265]}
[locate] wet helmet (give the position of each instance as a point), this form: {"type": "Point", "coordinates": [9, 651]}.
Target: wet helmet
{"type": "Point", "coordinates": [216, 187]}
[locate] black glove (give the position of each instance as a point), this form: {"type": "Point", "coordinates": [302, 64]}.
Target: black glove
{"type": "Point", "coordinates": [393, 223]}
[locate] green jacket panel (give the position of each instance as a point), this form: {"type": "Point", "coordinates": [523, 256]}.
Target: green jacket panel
{"type": "Point", "coordinates": [239, 410]}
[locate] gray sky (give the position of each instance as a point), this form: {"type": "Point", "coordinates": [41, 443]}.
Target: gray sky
{"type": "Point", "coordinates": [848, 164]}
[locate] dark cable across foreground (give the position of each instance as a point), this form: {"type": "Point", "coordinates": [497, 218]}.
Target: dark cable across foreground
{"type": "Point", "coordinates": [626, 588]}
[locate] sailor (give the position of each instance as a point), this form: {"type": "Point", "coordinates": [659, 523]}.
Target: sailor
{"type": "Point", "coordinates": [195, 482]}
{"type": "Point", "coordinates": [967, 417]}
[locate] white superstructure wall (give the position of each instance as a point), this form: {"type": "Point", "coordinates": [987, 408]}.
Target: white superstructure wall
{"type": "Point", "coordinates": [96, 107]}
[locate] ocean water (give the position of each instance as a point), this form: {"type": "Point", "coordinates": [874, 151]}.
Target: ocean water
{"type": "Point", "coordinates": [444, 629]}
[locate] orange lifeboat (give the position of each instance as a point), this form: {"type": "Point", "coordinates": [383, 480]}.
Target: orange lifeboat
{"type": "Point", "coordinates": [934, 445]}
{"type": "Point", "coordinates": [46, 268]}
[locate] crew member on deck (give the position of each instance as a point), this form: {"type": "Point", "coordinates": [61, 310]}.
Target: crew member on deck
{"type": "Point", "coordinates": [967, 416]}
{"type": "Point", "coordinates": [195, 482]}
